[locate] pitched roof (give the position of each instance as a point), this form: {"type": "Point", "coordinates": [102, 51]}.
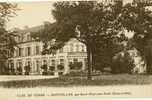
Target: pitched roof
{"type": "Point", "coordinates": [32, 29]}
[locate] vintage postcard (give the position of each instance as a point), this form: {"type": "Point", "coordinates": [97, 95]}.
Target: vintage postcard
{"type": "Point", "coordinates": [75, 50]}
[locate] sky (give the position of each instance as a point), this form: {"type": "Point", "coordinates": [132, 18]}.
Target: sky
{"type": "Point", "coordinates": [31, 14]}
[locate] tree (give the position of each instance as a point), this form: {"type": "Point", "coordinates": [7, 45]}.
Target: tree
{"type": "Point", "coordinates": [104, 55]}
{"type": "Point", "coordinates": [137, 18]}
{"type": "Point", "coordinates": [45, 69]}
{"type": "Point", "coordinates": [75, 66]}
{"type": "Point", "coordinates": [90, 22]}
{"type": "Point", "coordinates": [7, 43]}
{"type": "Point", "coordinates": [123, 63]}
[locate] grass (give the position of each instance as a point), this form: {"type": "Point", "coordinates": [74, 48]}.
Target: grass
{"type": "Point", "coordinates": [67, 81]}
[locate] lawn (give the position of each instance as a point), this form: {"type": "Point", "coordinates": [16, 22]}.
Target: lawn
{"type": "Point", "coordinates": [100, 80]}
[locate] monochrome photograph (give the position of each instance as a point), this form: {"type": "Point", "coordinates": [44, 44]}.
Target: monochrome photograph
{"type": "Point", "coordinates": [75, 49]}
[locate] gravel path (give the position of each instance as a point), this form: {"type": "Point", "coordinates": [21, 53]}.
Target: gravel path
{"type": "Point", "coordinates": [21, 77]}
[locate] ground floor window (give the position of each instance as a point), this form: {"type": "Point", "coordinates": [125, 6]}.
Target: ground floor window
{"type": "Point", "coordinates": [37, 65]}
{"type": "Point", "coordinates": [60, 73]}
{"type": "Point", "coordinates": [62, 62]}
{"type": "Point", "coordinates": [53, 62]}
{"type": "Point", "coordinates": [75, 65]}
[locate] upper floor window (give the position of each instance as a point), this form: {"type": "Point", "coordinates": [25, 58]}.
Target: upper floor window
{"type": "Point", "coordinates": [82, 48]}
{"type": "Point", "coordinates": [20, 64]}
{"type": "Point", "coordinates": [37, 50]}
{"type": "Point", "coordinates": [20, 52]}
{"type": "Point", "coordinates": [28, 37]}
{"type": "Point", "coordinates": [71, 47]}
{"type": "Point", "coordinates": [17, 52]}
{"type": "Point", "coordinates": [19, 39]}
{"type": "Point", "coordinates": [28, 51]}
{"type": "Point", "coordinates": [28, 63]}
{"type": "Point", "coordinates": [44, 62]}
{"type": "Point", "coordinates": [61, 61]}
{"type": "Point", "coordinates": [61, 50]}
{"type": "Point", "coordinates": [53, 62]}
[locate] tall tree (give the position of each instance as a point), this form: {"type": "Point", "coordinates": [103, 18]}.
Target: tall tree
{"type": "Point", "coordinates": [137, 17]}
{"type": "Point", "coordinates": [90, 22]}
{"type": "Point", "coordinates": [7, 41]}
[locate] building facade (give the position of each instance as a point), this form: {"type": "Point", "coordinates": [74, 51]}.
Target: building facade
{"type": "Point", "coordinates": [29, 53]}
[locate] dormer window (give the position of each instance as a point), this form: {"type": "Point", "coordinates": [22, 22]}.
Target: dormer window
{"type": "Point", "coordinates": [77, 47]}
{"type": "Point", "coordinates": [28, 37]}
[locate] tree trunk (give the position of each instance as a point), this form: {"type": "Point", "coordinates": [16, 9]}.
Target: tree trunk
{"type": "Point", "coordinates": [89, 58]}
{"type": "Point", "coordinates": [93, 59]}
{"type": "Point", "coordinates": [148, 57]}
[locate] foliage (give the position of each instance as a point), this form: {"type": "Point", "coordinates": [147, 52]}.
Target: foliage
{"type": "Point", "coordinates": [137, 18]}
{"type": "Point", "coordinates": [45, 69]}
{"type": "Point", "coordinates": [103, 56]}
{"type": "Point", "coordinates": [76, 73]}
{"type": "Point", "coordinates": [90, 22]}
{"type": "Point", "coordinates": [19, 69]}
{"type": "Point", "coordinates": [7, 10]}
{"type": "Point", "coordinates": [12, 70]}
{"type": "Point", "coordinates": [123, 63]}
{"type": "Point", "coordinates": [75, 66]}
{"type": "Point", "coordinates": [51, 68]}
{"type": "Point", "coordinates": [148, 56]}
{"type": "Point", "coordinates": [60, 67]}
{"type": "Point", "coordinates": [27, 69]}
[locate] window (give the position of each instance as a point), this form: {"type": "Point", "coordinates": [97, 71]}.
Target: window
{"type": "Point", "coordinates": [16, 53]}
{"type": "Point", "coordinates": [44, 62]}
{"type": "Point", "coordinates": [60, 73]}
{"type": "Point", "coordinates": [61, 50]}
{"type": "Point", "coordinates": [12, 66]}
{"type": "Point", "coordinates": [37, 50]}
{"type": "Point", "coordinates": [19, 38]}
{"type": "Point", "coordinates": [20, 64]}
{"type": "Point", "coordinates": [28, 51]}
{"type": "Point", "coordinates": [37, 65]}
{"type": "Point", "coordinates": [86, 61]}
{"type": "Point", "coordinates": [75, 60]}
{"type": "Point", "coordinates": [53, 62]}
{"type": "Point", "coordinates": [82, 48]}
{"type": "Point", "coordinates": [20, 52]}
{"type": "Point", "coordinates": [51, 68]}
{"type": "Point", "coordinates": [29, 63]}
{"type": "Point", "coordinates": [28, 37]}
{"type": "Point", "coordinates": [61, 61]}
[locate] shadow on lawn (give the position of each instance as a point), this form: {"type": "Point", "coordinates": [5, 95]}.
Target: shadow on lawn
{"type": "Point", "coordinates": [102, 80]}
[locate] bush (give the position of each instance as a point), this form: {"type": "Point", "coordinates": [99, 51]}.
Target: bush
{"type": "Point", "coordinates": [60, 67]}
{"type": "Point", "coordinates": [51, 73]}
{"type": "Point", "coordinates": [76, 66]}
{"type": "Point", "coordinates": [60, 73]}
{"type": "Point", "coordinates": [44, 67]}
{"type": "Point", "coordinates": [76, 73]}
{"type": "Point", "coordinates": [19, 70]}
{"type": "Point", "coordinates": [123, 64]}
{"type": "Point", "coordinates": [27, 69]}
{"type": "Point", "coordinates": [12, 71]}
{"type": "Point", "coordinates": [51, 68]}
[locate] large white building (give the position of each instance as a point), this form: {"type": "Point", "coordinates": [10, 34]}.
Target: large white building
{"type": "Point", "coordinates": [29, 52]}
